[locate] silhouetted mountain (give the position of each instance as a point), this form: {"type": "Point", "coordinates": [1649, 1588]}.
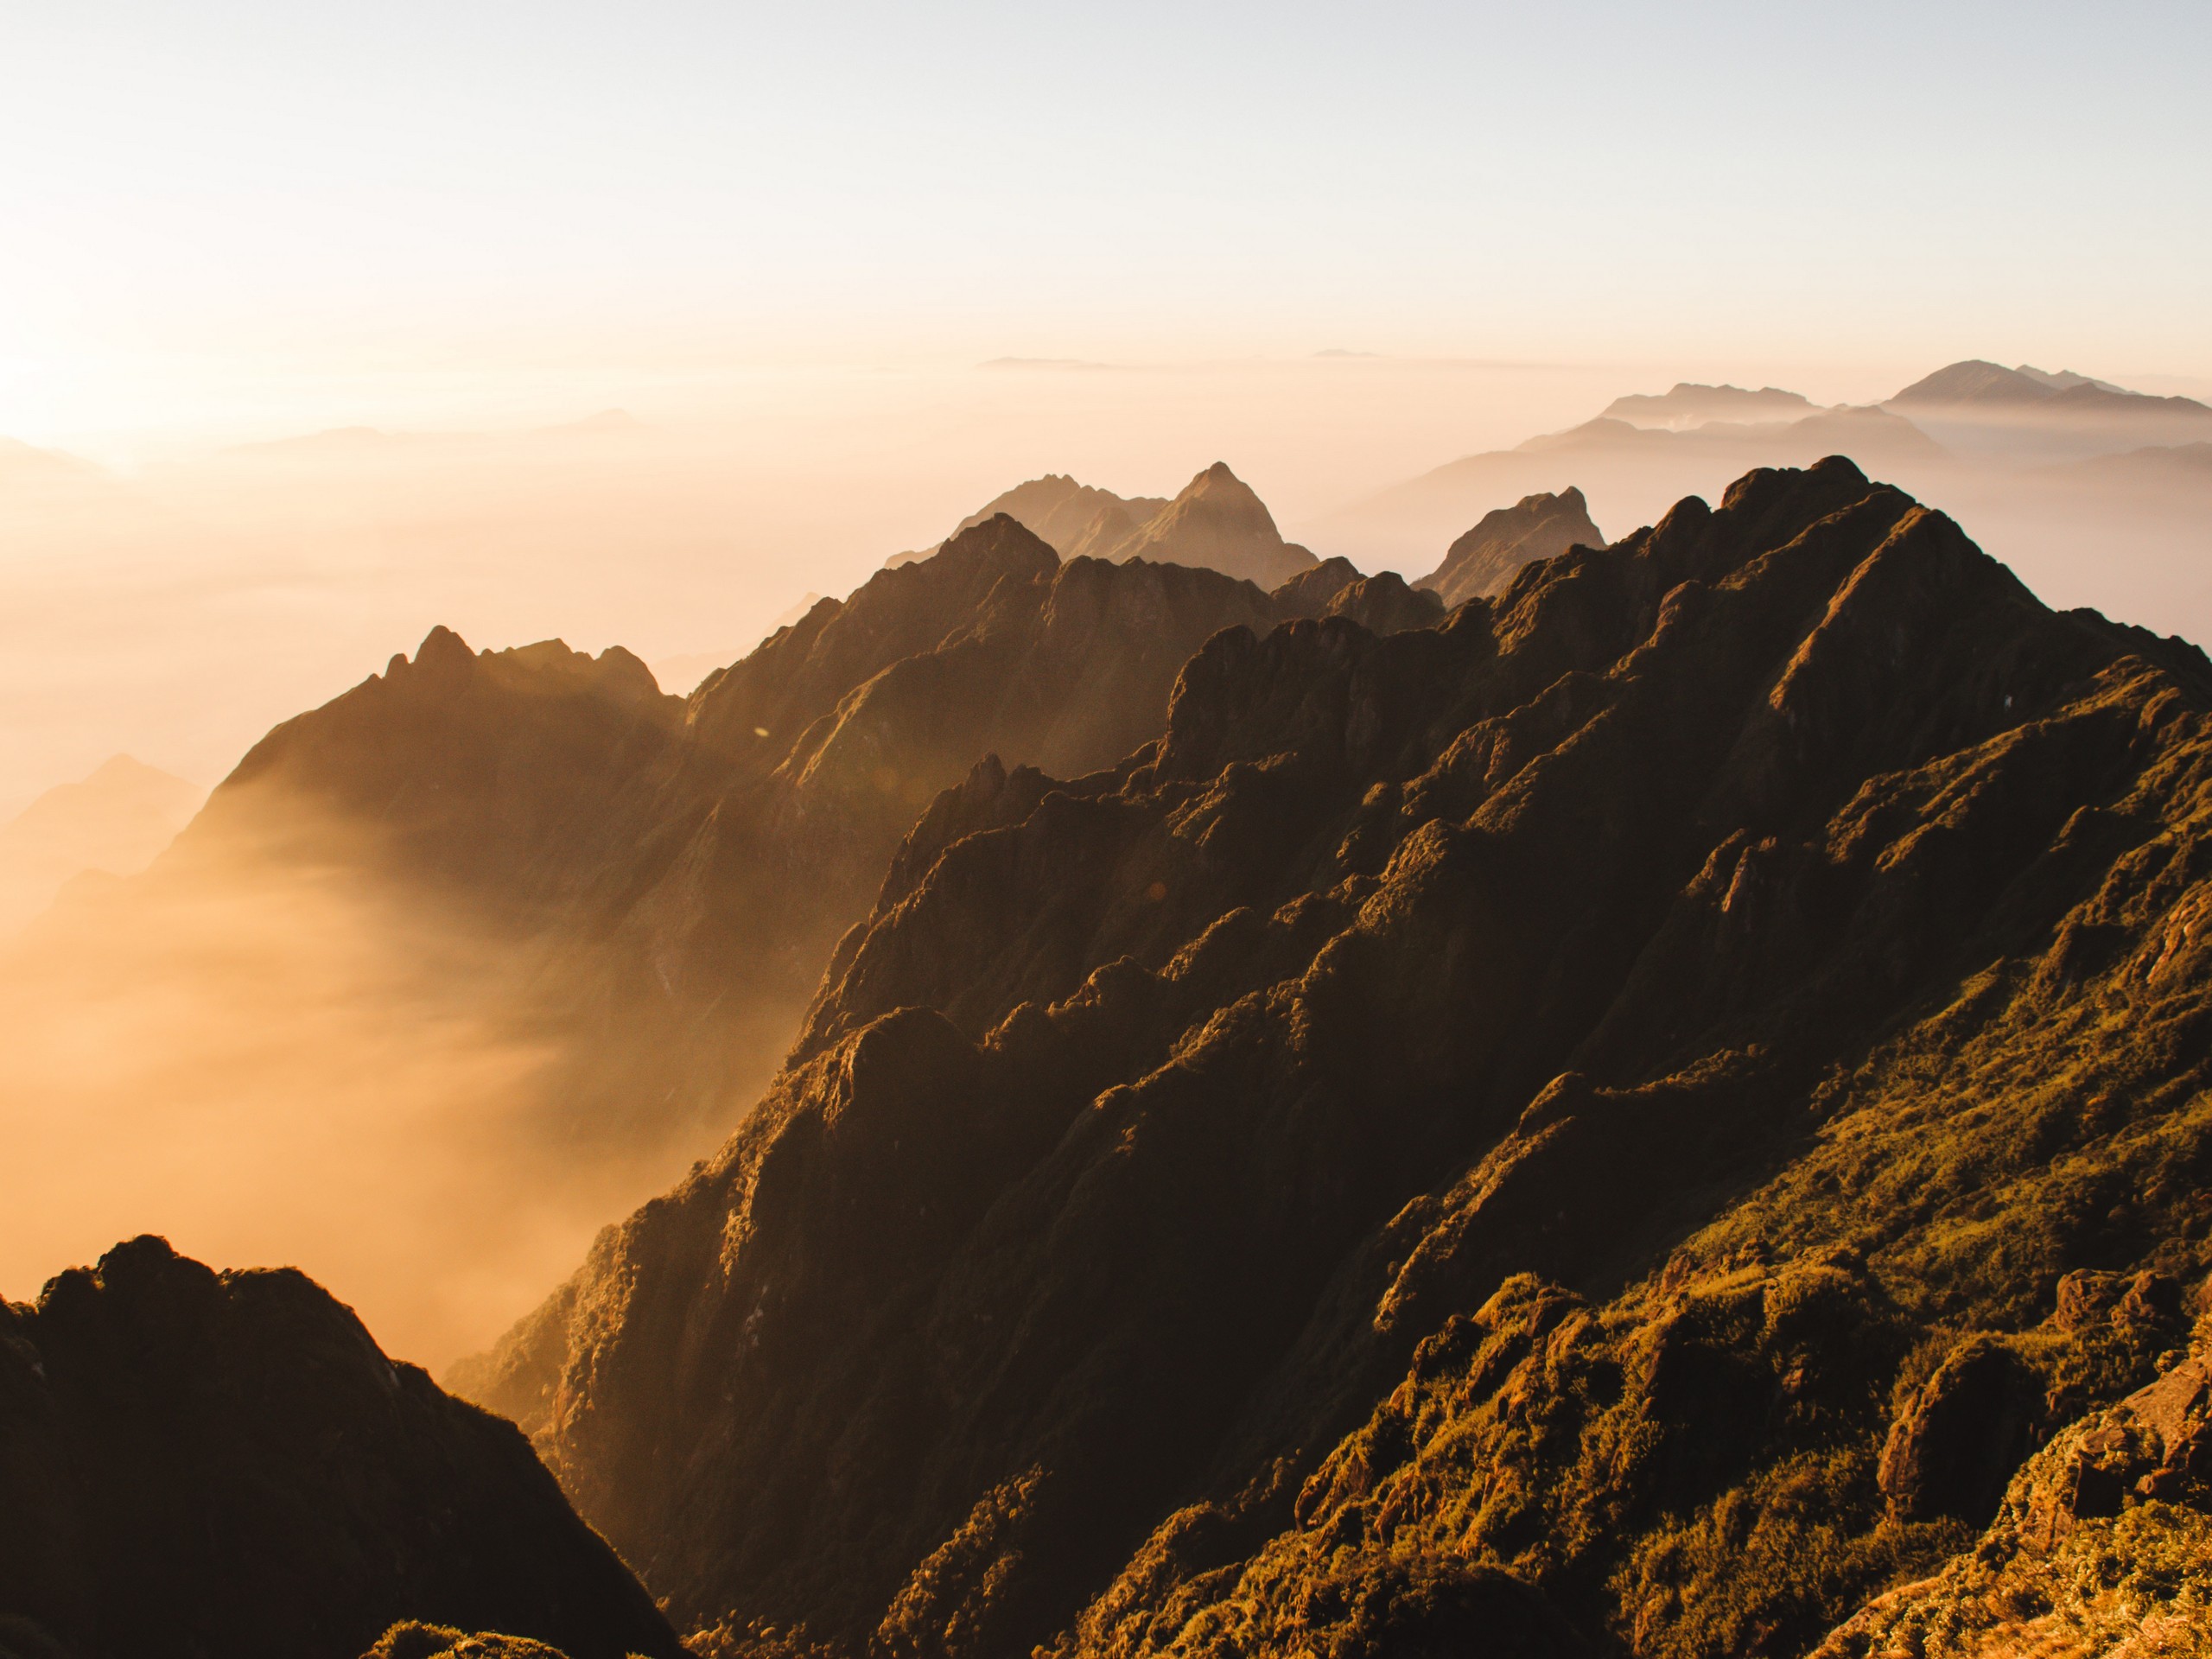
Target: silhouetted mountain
{"type": "Point", "coordinates": [115, 820]}
{"type": "Point", "coordinates": [1976, 381]}
{"type": "Point", "coordinates": [1691, 404]}
{"type": "Point", "coordinates": [196, 1463]}
{"type": "Point", "coordinates": [2028, 414]}
{"type": "Point", "coordinates": [2186, 464]}
{"type": "Point", "coordinates": [1217, 522]}
{"type": "Point", "coordinates": [1637, 470]}
{"type": "Point", "coordinates": [1482, 562]}
{"type": "Point", "coordinates": [1618, 1120]}
{"type": "Point", "coordinates": [22, 467]}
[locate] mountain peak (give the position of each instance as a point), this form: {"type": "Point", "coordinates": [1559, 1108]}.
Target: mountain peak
{"type": "Point", "coordinates": [1487, 558]}
{"type": "Point", "coordinates": [1976, 380]}
{"type": "Point", "coordinates": [1219, 521]}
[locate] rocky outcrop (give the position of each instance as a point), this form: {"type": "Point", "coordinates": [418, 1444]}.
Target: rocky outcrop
{"type": "Point", "coordinates": [1499, 1124]}
{"type": "Point", "coordinates": [1482, 562]}
{"type": "Point", "coordinates": [195, 1462]}
{"type": "Point", "coordinates": [2103, 1545]}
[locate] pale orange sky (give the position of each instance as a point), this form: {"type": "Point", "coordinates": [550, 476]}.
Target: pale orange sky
{"type": "Point", "coordinates": [787, 240]}
{"type": "Point", "coordinates": [239, 219]}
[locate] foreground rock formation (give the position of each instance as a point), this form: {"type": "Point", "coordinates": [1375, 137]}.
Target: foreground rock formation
{"type": "Point", "coordinates": [2103, 1545]}
{"type": "Point", "coordinates": [1615, 1121]}
{"type": "Point", "coordinates": [196, 1463]}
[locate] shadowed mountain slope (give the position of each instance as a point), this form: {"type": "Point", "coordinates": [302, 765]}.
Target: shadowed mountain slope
{"type": "Point", "coordinates": [1482, 562]}
{"type": "Point", "coordinates": [195, 1463]}
{"type": "Point", "coordinates": [1525, 1134]}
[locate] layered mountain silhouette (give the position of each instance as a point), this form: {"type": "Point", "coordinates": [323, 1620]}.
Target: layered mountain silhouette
{"type": "Point", "coordinates": [1216, 523]}
{"type": "Point", "coordinates": [2027, 412]}
{"type": "Point", "coordinates": [1074, 518]}
{"type": "Point", "coordinates": [2033, 459]}
{"type": "Point", "coordinates": [1691, 404]}
{"type": "Point", "coordinates": [1616, 1121]}
{"type": "Point", "coordinates": [195, 1462]}
{"type": "Point", "coordinates": [114, 820]}
{"type": "Point", "coordinates": [1482, 562]}
{"type": "Point", "coordinates": [1629, 470]}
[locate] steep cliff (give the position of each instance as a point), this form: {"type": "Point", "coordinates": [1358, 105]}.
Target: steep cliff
{"type": "Point", "coordinates": [1528, 1131]}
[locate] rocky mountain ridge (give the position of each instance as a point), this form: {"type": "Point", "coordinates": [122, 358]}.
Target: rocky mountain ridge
{"type": "Point", "coordinates": [704, 854]}
{"type": "Point", "coordinates": [1536, 1123]}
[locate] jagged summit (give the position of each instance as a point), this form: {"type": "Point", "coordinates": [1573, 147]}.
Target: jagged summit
{"type": "Point", "coordinates": [1218, 522]}
{"type": "Point", "coordinates": [1488, 556]}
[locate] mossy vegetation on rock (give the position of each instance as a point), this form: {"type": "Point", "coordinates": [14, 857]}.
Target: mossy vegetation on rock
{"type": "Point", "coordinates": [1622, 1116]}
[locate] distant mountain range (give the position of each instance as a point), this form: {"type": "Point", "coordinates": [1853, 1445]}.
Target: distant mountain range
{"type": "Point", "coordinates": [115, 820]}
{"type": "Point", "coordinates": [1690, 404]}
{"type": "Point", "coordinates": [1999, 443]}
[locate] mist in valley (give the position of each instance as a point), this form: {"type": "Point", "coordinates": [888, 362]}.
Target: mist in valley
{"type": "Point", "coordinates": [277, 1060]}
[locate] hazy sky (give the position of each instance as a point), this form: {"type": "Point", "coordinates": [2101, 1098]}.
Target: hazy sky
{"type": "Point", "coordinates": [251, 217]}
